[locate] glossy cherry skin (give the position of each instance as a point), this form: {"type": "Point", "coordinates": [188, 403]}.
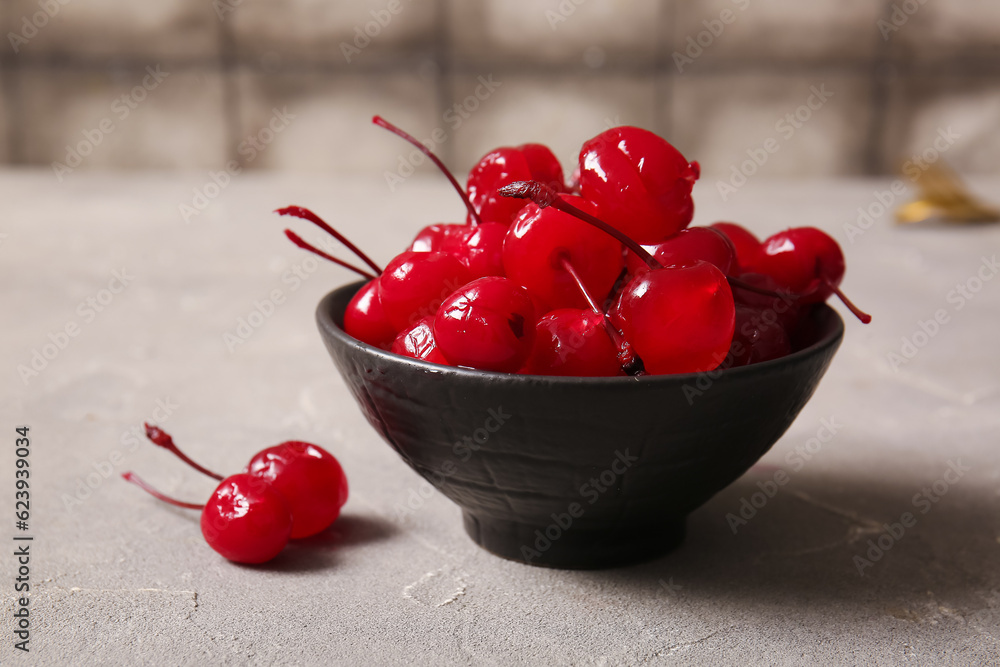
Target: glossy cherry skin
{"type": "Point", "coordinates": [418, 342]}
{"type": "Point", "coordinates": [639, 183]}
{"type": "Point", "coordinates": [479, 248]}
{"type": "Point", "coordinates": [804, 260]}
{"type": "Point", "coordinates": [688, 246]}
{"type": "Point", "coordinates": [365, 319]}
{"type": "Point", "coordinates": [414, 284]}
{"type": "Point", "coordinates": [309, 478]}
{"type": "Point", "coordinates": [503, 166]}
{"type": "Point", "coordinates": [489, 324]}
{"type": "Point", "coordinates": [541, 237]}
{"type": "Point", "coordinates": [573, 342]}
{"type": "Point", "coordinates": [783, 309]}
{"type": "Point", "coordinates": [434, 237]}
{"type": "Point", "coordinates": [678, 320]}
{"type": "Point", "coordinates": [755, 340]}
{"type": "Point", "coordinates": [246, 520]}
{"type": "Point", "coordinates": [744, 242]}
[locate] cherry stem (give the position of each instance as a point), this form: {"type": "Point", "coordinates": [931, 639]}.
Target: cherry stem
{"type": "Point", "coordinates": [135, 479]}
{"type": "Point", "coordinates": [297, 240]}
{"type": "Point", "coordinates": [860, 314]}
{"type": "Point", "coordinates": [161, 438]}
{"type": "Point", "coordinates": [306, 214]}
{"type": "Point", "coordinates": [382, 122]}
{"type": "Point", "coordinates": [544, 196]}
{"type": "Point", "coordinates": [631, 363]}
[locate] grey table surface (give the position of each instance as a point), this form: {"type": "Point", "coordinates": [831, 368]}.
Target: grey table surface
{"type": "Point", "coordinates": [813, 577]}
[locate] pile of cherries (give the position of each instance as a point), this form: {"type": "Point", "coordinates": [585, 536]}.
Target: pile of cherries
{"type": "Point", "coordinates": [288, 491]}
{"type": "Point", "coordinates": [600, 276]}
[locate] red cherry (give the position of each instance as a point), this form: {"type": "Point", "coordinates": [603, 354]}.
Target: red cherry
{"type": "Point", "coordinates": [807, 262]}
{"type": "Point", "coordinates": [678, 320]}
{"type": "Point", "coordinates": [506, 165]}
{"type": "Point", "coordinates": [489, 324]}
{"type": "Point", "coordinates": [754, 339]}
{"type": "Point", "coordinates": [572, 342]}
{"type": "Point", "coordinates": [309, 478]}
{"type": "Point", "coordinates": [541, 238]}
{"type": "Point", "coordinates": [245, 520]}
{"type": "Point", "coordinates": [433, 237]}
{"type": "Point", "coordinates": [414, 284]}
{"type": "Point", "coordinates": [365, 319]}
{"type": "Point", "coordinates": [639, 183]}
{"type": "Point", "coordinates": [688, 246]}
{"type": "Point", "coordinates": [418, 342]}
{"type": "Point", "coordinates": [746, 244]}
{"type": "Point", "coordinates": [803, 260]}
{"type": "Point", "coordinates": [479, 248]}
{"type": "Point", "coordinates": [783, 309]}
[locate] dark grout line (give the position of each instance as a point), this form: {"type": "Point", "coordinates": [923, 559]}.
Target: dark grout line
{"type": "Point", "coordinates": [878, 111]}
{"type": "Point", "coordinates": [444, 83]}
{"type": "Point", "coordinates": [664, 91]}
{"type": "Point", "coordinates": [409, 63]}
{"type": "Point", "coordinates": [13, 108]}
{"type": "Point", "coordinates": [230, 91]}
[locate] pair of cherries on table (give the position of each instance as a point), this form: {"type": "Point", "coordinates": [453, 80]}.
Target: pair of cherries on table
{"type": "Point", "coordinates": [599, 277]}
{"type": "Point", "coordinates": [289, 491]}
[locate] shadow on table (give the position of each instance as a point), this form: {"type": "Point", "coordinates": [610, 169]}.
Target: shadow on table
{"type": "Point", "coordinates": [824, 541]}
{"type": "Point", "coordinates": [320, 552]}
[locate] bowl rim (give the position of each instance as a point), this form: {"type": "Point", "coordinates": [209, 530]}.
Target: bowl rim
{"type": "Point", "coordinates": [326, 321]}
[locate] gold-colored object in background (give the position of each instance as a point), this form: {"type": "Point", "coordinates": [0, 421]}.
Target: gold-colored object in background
{"type": "Point", "coordinates": [945, 197]}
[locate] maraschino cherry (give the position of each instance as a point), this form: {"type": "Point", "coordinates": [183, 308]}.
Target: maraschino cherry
{"type": "Point", "coordinates": [488, 324]}
{"type": "Point", "coordinates": [541, 238]}
{"type": "Point", "coordinates": [639, 183]}
{"type": "Point", "coordinates": [245, 520]}
{"type": "Point", "coordinates": [502, 166]}
{"type": "Point", "coordinates": [418, 342]}
{"type": "Point", "coordinates": [807, 262]}
{"type": "Point", "coordinates": [744, 242]}
{"type": "Point", "coordinates": [677, 319]}
{"type": "Point", "coordinates": [295, 479]}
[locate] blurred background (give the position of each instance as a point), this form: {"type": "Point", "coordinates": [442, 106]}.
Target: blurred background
{"type": "Point", "coordinates": [823, 88]}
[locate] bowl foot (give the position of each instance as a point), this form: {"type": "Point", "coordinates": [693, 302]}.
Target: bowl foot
{"type": "Point", "coordinates": [570, 548]}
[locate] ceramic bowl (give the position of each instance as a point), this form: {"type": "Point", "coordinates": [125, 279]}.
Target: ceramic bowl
{"type": "Point", "coordinates": [575, 472]}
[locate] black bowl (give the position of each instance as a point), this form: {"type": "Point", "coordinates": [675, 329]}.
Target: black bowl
{"type": "Point", "coordinates": [577, 472]}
